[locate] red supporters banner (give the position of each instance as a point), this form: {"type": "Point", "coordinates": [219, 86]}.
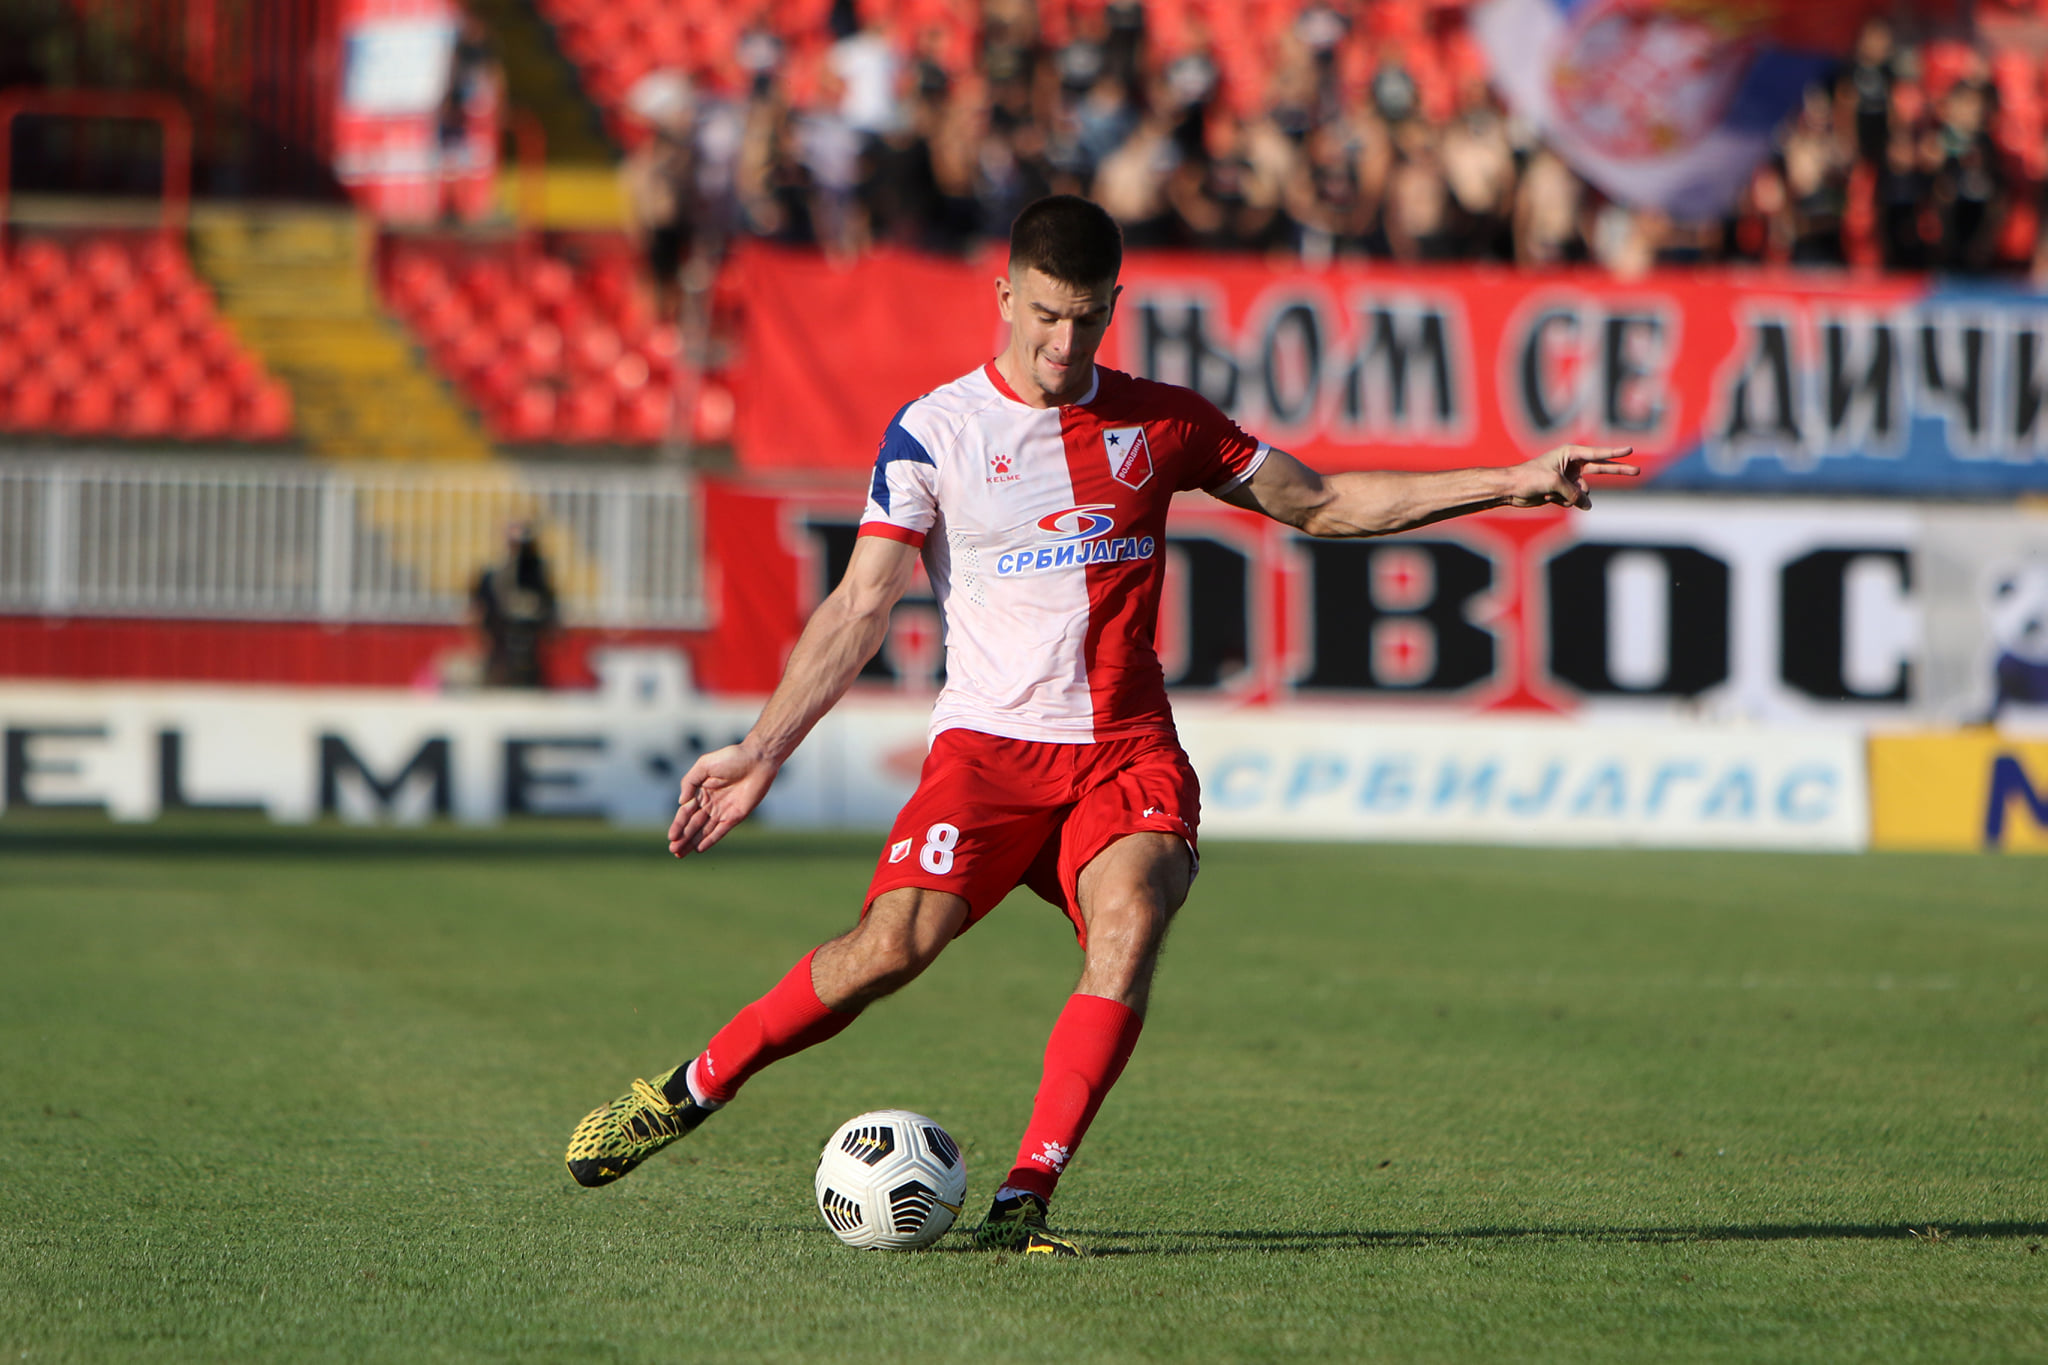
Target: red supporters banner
{"type": "Point", "coordinates": [834, 349]}
{"type": "Point", "coordinates": [1731, 381]}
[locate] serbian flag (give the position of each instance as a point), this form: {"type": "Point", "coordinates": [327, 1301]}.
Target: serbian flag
{"type": "Point", "coordinates": [1666, 104]}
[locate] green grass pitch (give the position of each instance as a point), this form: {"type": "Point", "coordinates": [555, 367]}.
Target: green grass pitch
{"type": "Point", "coordinates": [303, 1096]}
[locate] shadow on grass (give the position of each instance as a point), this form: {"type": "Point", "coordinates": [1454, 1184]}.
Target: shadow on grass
{"type": "Point", "coordinates": [206, 839]}
{"type": "Point", "coordinates": [1104, 1242]}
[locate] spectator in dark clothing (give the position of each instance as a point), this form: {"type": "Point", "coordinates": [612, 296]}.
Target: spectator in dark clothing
{"type": "Point", "coordinates": [514, 607]}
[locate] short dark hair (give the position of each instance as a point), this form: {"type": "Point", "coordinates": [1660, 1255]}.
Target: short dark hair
{"type": "Point", "coordinates": [1068, 238]}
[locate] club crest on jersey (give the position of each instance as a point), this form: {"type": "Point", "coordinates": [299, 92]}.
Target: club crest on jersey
{"type": "Point", "coordinates": [1130, 456]}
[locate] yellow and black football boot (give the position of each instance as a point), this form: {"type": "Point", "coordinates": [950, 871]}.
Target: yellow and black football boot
{"type": "Point", "coordinates": [613, 1140]}
{"type": "Point", "coordinates": [1018, 1224]}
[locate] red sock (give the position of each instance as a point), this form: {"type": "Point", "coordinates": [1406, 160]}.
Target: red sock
{"type": "Point", "coordinates": [1086, 1053]}
{"type": "Point", "coordinates": [780, 1024]}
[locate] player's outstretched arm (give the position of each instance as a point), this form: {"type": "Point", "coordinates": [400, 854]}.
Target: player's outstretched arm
{"type": "Point", "coordinates": [723, 787]}
{"type": "Point", "coordinates": [1381, 502]}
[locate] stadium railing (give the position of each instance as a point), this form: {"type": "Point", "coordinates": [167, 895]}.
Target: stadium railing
{"type": "Point", "coordinates": [85, 535]}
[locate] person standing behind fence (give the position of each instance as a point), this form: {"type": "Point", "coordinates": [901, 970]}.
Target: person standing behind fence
{"type": "Point", "coordinates": [514, 607]}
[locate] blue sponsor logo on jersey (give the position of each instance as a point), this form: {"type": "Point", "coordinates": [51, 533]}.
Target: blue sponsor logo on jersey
{"type": "Point", "coordinates": [1070, 554]}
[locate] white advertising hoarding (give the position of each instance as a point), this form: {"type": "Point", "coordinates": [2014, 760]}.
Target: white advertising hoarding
{"type": "Point", "coordinates": [617, 755]}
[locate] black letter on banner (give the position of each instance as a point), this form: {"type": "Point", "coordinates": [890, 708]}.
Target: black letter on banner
{"type": "Point", "coordinates": [1301, 319]}
{"type": "Point", "coordinates": [1697, 610]}
{"type": "Point", "coordinates": [1344, 616]}
{"type": "Point", "coordinates": [2028, 390]}
{"type": "Point", "coordinates": [1811, 624]}
{"type": "Point", "coordinates": [1770, 361]}
{"type": "Point", "coordinates": [1961, 389]}
{"type": "Point", "coordinates": [1393, 337]}
{"type": "Point", "coordinates": [1543, 417]}
{"type": "Point", "coordinates": [1202, 367]}
{"type": "Point", "coordinates": [1861, 399]}
{"type": "Point", "coordinates": [1624, 337]}
{"type": "Point", "coordinates": [523, 782]}
{"type": "Point", "coordinates": [1218, 625]}
{"type": "Point", "coordinates": [431, 763]}
{"type": "Point", "coordinates": [170, 778]}
{"type": "Point", "coordinates": [835, 541]}
{"type": "Point", "coordinates": [22, 765]}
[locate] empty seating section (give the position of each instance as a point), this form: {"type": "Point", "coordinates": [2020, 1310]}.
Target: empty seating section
{"type": "Point", "coordinates": [111, 335]}
{"type": "Point", "coordinates": [613, 43]}
{"type": "Point", "coordinates": [551, 347]}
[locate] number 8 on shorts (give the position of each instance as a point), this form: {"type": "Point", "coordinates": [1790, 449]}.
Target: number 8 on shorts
{"type": "Point", "coordinates": [936, 857]}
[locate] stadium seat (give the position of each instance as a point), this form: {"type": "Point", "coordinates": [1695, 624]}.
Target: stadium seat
{"type": "Point", "coordinates": [88, 409]}
{"type": "Point", "coordinates": [530, 416]}
{"type": "Point", "coordinates": [268, 416]}
{"type": "Point", "coordinates": [149, 410]}
{"type": "Point", "coordinates": [31, 403]}
{"type": "Point", "coordinates": [207, 412]}
{"type": "Point", "coordinates": [62, 364]}
{"type": "Point", "coordinates": [587, 415]}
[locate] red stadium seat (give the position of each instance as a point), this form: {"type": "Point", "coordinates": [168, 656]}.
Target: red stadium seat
{"type": "Point", "coordinates": [121, 366]}
{"type": "Point", "coordinates": [549, 282]}
{"type": "Point", "coordinates": [193, 306]}
{"type": "Point", "coordinates": [97, 336]}
{"type": "Point", "coordinates": [643, 417]}
{"type": "Point", "coordinates": [43, 263]}
{"type": "Point", "coordinates": [588, 415]}
{"type": "Point", "coordinates": [504, 376]}
{"type": "Point", "coordinates": [148, 411]}
{"type": "Point", "coordinates": [88, 410]}
{"type": "Point", "coordinates": [630, 373]}
{"type": "Point", "coordinates": [530, 416]}
{"type": "Point", "coordinates": [16, 298]}
{"type": "Point", "coordinates": [63, 365]}
{"type": "Point", "coordinates": [541, 344]}
{"type": "Point", "coordinates": [72, 301]}
{"type": "Point", "coordinates": [207, 413]}
{"type": "Point", "coordinates": [36, 331]}
{"type": "Point", "coordinates": [268, 416]}
{"type": "Point", "coordinates": [161, 262]}
{"type": "Point", "coordinates": [595, 348]}
{"type": "Point", "coordinates": [31, 403]}
{"type": "Point", "coordinates": [106, 265]}
{"type": "Point", "coordinates": [133, 307]}
{"type": "Point", "coordinates": [183, 370]}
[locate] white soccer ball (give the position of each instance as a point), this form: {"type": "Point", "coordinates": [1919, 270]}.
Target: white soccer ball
{"type": "Point", "coordinates": [890, 1180]}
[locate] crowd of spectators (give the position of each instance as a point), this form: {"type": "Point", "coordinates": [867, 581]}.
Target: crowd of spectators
{"type": "Point", "coordinates": [1366, 140]}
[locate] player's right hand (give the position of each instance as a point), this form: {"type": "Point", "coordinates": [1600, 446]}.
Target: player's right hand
{"type": "Point", "coordinates": [720, 790]}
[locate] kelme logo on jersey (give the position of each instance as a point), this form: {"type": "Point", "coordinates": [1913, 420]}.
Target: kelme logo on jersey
{"type": "Point", "coordinates": [1130, 456]}
{"type": "Point", "coordinates": [1080, 536]}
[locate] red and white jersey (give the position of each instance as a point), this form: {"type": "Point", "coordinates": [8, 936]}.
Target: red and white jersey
{"type": "Point", "coordinates": [1043, 530]}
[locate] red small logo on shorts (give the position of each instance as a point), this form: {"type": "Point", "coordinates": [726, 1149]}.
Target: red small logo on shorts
{"type": "Point", "coordinates": [899, 850]}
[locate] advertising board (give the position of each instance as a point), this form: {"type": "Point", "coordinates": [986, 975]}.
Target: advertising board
{"type": "Point", "coordinates": [378, 756]}
{"type": "Point", "coordinates": [1964, 790]}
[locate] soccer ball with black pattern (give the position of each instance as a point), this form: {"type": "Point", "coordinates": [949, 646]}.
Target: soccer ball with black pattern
{"type": "Point", "coordinates": [890, 1181]}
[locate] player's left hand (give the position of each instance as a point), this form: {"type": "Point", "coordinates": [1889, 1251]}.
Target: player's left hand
{"type": "Point", "coordinates": [1559, 476]}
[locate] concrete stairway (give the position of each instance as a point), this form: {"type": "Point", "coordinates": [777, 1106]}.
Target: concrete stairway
{"type": "Point", "coordinates": [294, 285]}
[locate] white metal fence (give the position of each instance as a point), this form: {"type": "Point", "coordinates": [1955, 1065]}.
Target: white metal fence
{"type": "Point", "coordinates": [142, 536]}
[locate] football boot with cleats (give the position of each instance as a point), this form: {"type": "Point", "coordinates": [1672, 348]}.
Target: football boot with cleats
{"type": "Point", "coordinates": [1017, 1223]}
{"type": "Point", "coordinates": [613, 1140]}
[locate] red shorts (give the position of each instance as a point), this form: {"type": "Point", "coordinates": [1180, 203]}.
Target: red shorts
{"type": "Point", "coordinates": [991, 814]}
